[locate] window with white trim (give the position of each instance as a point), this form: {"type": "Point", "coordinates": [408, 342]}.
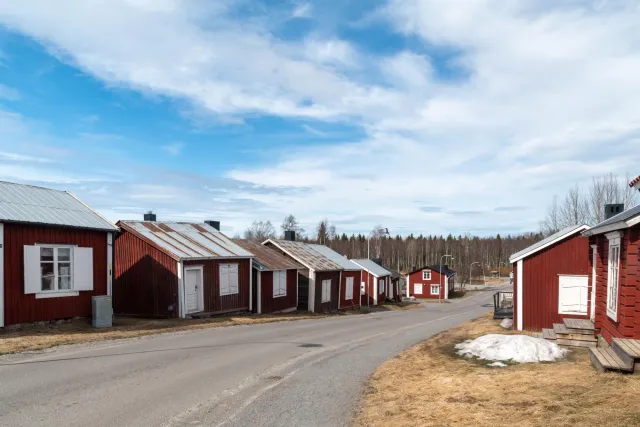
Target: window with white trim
{"type": "Point", "coordinates": [326, 290]}
{"type": "Point", "coordinates": [228, 279]}
{"type": "Point", "coordinates": [417, 288]}
{"type": "Point", "coordinates": [613, 275]}
{"type": "Point", "coordinates": [280, 283]}
{"type": "Point", "coordinates": [435, 289]}
{"type": "Point", "coordinates": [426, 274]}
{"type": "Point", "coordinates": [55, 268]}
{"type": "Point", "coordinates": [348, 292]}
{"type": "Point", "coordinates": [381, 286]}
{"type": "Point", "coordinates": [362, 287]}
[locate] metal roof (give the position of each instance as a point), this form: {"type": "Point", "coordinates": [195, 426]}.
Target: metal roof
{"type": "Point", "coordinates": [184, 240]}
{"type": "Point", "coordinates": [372, 267]}
{"type": "Point", "coordinates": [39, 205]}
{"type": "Point", "coordinates": [616, 222]}
{"type": "Point", "coordinates": [554, 238]}
{"type": "Point", "coordinates": [306, 255]}
{"type": "Point", "coordinates": [334, 256]}
{"type": "Point", "coordinates": [445, 270]}
{"type": "Point", "coordinates": [266, 258]}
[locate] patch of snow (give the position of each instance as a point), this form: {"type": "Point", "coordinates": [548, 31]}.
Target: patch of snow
{"type": "Point", "coordinates": [497, 365]}
{"type": "Point", "coordinates": [507, 323]}
{"type": "Point", "coordinates": [517, 348]}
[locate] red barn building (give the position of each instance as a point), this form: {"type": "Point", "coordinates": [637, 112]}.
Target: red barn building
{"type": "Point", "coordinates": [376, 282]}
{"type": "Point", "coordinates": [177, 269]}
{"type": "Point", "coordinates": [551, 280]}
{"type": "Point", "coordinates": [55, 255]}
{"type": "Point", "coordinates": [614, 270]}
{"type": "Point", "coordinates": [431, 282]}
{"type": "Point", "coordinates": [274, 281]}
{"type": "Point", "coordinates": [329, 281]}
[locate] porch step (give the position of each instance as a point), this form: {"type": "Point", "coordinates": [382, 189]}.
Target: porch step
{"type": "Point", "coordinates": [579, 326]}
{"type": "Point", "coordinates": [568, 334]}
{"type": "Point", "coordinates": [576, 343]}
{"type": "Point", "coordinates": [628, 351]}
{"type": "Point", "coordinates": [605, 359]}
{"type": "Point", "coordinates": [548, 334]}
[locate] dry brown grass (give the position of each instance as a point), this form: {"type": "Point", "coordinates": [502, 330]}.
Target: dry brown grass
{"type": "Point", "coordinates": [400, 306]}
{"type": "Point", "coordinates": [428, 385]}
{"type": "Point", "coordinates": [39, 337]}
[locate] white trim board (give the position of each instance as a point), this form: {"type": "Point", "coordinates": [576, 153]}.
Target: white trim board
{"type": "Point", "coordinates": [593, 281]}
{"type": "Point", "coordinates": [1, 275]}
{"type": "Point", "coordinates": [199, 292]}
{"type": "Point", "coordinates": [519, 298]}
{"type": "Point", "coordinates": [181, 308]}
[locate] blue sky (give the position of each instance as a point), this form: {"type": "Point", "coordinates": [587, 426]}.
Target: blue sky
{"type": "Point", "coordinates": [419, 115]}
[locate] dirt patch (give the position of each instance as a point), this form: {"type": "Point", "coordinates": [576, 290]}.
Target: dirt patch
{"type": "Point", "coordinates": [398, 306]}
{"type": "Point", "coordinates": [429, 385]}
{"type": "Point", "coordinates": [39, 337]}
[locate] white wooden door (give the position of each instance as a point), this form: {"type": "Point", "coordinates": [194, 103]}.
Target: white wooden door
{"type": "Point", "coordinates": [193, 290]}
{"type": "Point", "coordinates": [573, 294]}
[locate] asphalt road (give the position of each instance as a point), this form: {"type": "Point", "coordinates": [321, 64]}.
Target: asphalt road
{"type": "Point", "coordinates": [303, 373]}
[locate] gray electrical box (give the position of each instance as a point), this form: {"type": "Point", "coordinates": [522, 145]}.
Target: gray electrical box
{"type": "Point", "coordinates": [102, 312]}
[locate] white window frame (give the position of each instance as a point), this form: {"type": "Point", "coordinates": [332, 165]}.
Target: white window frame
{"type": "Point", "coordinates": [426, 274]}
{"type": "Point", "coordinates": [381, 285]}
{"type": "Point", "coordinates": [437, 289]}
{"type": "Point", "coordinates": [56, 291]}
{"type": "Point", "coordinates": [362, 288]}
{"type": "Point", "coordinates": [348, 291]}
{"type": "Point", "coordinates": [279, 283]}
{"type": "Point", "coordinates": [415, 288]}
{"type": "Point", "coordinates": [326, 290]}
{"type": "Point", "coordinates": [613, 275]}
{"type": "Point", "coordinates": [220, 276]}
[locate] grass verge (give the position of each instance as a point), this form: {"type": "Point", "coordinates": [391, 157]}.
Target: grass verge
{"type": "Point", "coordinates": [428, 385]}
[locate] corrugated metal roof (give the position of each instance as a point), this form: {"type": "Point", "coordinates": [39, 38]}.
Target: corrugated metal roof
{"type": "Point", "coordinates": [39, 205]}
{"type": "Point", "coordinates": [306, 255]}
{"type": "Point", "coordinates": [560, 235]}
{"type": "Point", "coordinates": [186, 240]}
{"type": "Point", "coordinates": [267, 258]}
{"type": "Point", "coordinates": [334, 256]}
{"type": "Point", "coordinates": [372, 267]}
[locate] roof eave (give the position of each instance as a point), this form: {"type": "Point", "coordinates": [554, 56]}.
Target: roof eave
{"type": "Point", "coordinates": [581, 229]}
{"type": "Point", "coordinates": [46, 224]}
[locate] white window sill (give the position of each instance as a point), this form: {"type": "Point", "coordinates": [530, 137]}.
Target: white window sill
{"type": "Point", "coordinates": [230, 293]}
{"type": "Point", "coordinates": [57, 294]}
{"type": "Point", "coordinates": [348, 299]}
{"type": "Point", "coordinates": [613, 316]}
{"type": "Point", "coordinates": [280, 296]}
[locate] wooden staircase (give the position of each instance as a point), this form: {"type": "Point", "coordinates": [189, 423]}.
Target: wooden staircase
{"type": "Point", "coordinates": [572, 333]}
{"type": "Point", "coordinates": [622, 356]}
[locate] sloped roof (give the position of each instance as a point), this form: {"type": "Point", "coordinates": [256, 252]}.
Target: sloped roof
{"type": "Point", "coordinates": [634, 181]}
{"type": "Point", "coordinates": [624, 219]}
{"type": "Point", "coordinates": [542, 244]}
{"type": "Point", "coordinates": [445, 270]}
{"type": "Point", "coordinates": [184, 240]}
{"type": "Point", "coordinates": [334, 256]}
{"type": "Point", "coordinates": [266, 258]}
{"type": "Point", "coordinates": [372, 267]}
{"type": "Point", "coordinates": [39, 205]}
{"type": "Point", "coordinates": [306, 255]}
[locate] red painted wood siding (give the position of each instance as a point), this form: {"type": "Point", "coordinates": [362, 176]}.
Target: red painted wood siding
{"type": "Point", "coordinates": [269, 304]}
{"type": "Point", "coordinates": [416, 278]}
{"type": "Point", "coordinates": [21, 308]}
{"type": "Point", "coordinates": [213, 301]}
{"type": "Point", "coordinates": [540, 291]}
{"type": "Point", "coordinates": [628, 324]}
{"type": "Point", "coordinates": [145, 279]}
{"type": "Point", "coordinates": [327, 307]}
{"type": "Point", "coordinates": [352, 303]}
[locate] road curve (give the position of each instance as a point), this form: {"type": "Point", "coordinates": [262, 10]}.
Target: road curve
{"type": "Point", "coordinates": [302, 373]}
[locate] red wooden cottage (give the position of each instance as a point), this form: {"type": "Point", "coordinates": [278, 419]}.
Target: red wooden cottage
{"type": "Point", "coordinates": [431, 282]}
{"type": "Point", "coordinates": [274, 281]}
{"type": "Point", "coordinates": [177, 269]}
{"type": "Point", "coordinates": [55, 255]}
{"type": "Point", "coordinates": [551, 280]}
{"type": "Point", "coordinates": [614, 269]}
{"type": "Point", "coordinates": [376, 282]}
{"type": "Point", "coordinates": [328, 282]}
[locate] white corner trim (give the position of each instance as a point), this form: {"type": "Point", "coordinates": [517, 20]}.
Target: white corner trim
{"type": "Point", "coordinates": [312, 291]}
{"type": "Point", "coordinates": [519, 299]}
{"type": "Point", "coordinates": [250, 283]}
{"type": "Point", "coordinates": [594, 255]}
{"type": "Point", "coordinates": [1, 275]}
{"type": "Point", "coordinates": [181, 302]}
{"type": "Point", "coordinates": [110, 264]}
{"type": "Point", "coordinates": [259, 291]}
{"type": "Point", "coordinates": [57, 294]}
{"type": "Point", "coordinates": [340, 290]}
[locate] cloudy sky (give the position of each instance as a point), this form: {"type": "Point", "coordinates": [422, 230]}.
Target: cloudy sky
{"type": "Point", "coordinates": [423, 116]}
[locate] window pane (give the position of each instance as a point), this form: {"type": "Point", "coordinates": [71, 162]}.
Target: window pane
{"type": "Point", "coordinates": [64, 282]}
{"type": "Point", "coordinates": [64, 254]}
{"type": "Point", "coordinates": [47, 269]}
{"type": "Point", "coordinates": [64, 269]}
{"type": "Point", "coordinates": [47, 283]}
{"type": "Point", "coordinates": [46, 254]}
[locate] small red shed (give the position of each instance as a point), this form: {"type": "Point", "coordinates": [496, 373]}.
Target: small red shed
{"type": "Point", "coordinates": [551, 280]}
{"type": "Point", "coordinates": [178, 269]}
{"type": "Point", "coordinates": [55, 255]}
{"type": "Point", "coordinates": [614, 270]}
{"type": "Point", "coordinates": [376, 282]}
{"type": "Point", "coordinates": [431, 282]}
{"type": "Point", "coordinates": [274, 281]}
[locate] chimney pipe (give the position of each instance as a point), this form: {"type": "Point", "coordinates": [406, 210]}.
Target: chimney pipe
{"type": "Point", "coordinates": [290, 235]}
{"type": "Point", "coordinates": [150, 216]}
{"type": "Point", "coordinates": [214, 224]}
{"type": "Point", "coordinates": [612, 210]}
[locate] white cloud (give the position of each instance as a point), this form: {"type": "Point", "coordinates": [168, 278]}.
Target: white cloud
{"type": "Point", "coordinates": [9, 93]}
{"type": "Point", "coordinates": [174, 149]}
{"type": "Point", "coordinates": [302, 10]}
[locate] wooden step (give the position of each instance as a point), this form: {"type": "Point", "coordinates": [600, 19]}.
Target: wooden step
{"type": "Point", "coordinates": [548, 334]}
{"type": "Point", "coordinates": [628, 351]}
{"type": "Point", "coordinates": [559, 328]}
{"type": "Point", "coordinates": [565, 333]}
{"type": "Point", "coordinates": [605, 359]}
{"type": "Point", "coordinates": [575, 343]}
{"type": "Point", "coordinates": [579, 326]}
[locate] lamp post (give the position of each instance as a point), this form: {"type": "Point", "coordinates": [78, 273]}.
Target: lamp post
{"type": "Point", "coordinates": [470, 267]}
{"type": "Point", "coordinates": [440, 290]}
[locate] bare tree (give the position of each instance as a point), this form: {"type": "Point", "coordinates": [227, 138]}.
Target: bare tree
{"type": "Point", "coordinates": [575, 209]}
{"type": "Point", "coordinates": [290, 223]}
{"type": "Point", "coordinates": [551, 223]}
{"type": "Point", "coordinates": [260, 231]}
